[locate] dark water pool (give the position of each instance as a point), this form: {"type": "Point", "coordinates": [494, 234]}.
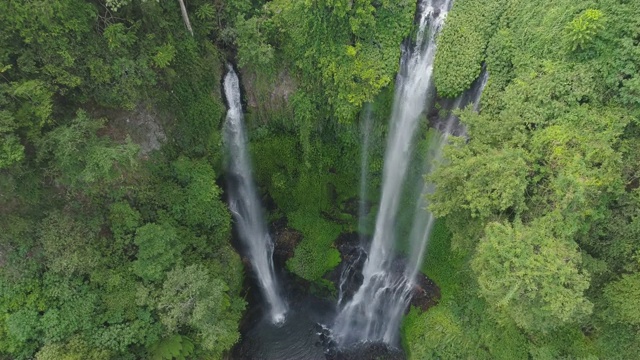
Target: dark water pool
{"type": "Point", "coordinates": [305, 334]}
{"type": "Point", "coordinates": [301, 336]}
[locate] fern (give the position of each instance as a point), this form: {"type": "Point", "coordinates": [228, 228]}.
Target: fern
{"type": "Point", "coordinates": [176, 347]}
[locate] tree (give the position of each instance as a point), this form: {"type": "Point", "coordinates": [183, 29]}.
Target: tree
{"type": "Point", "coordinates": [11, 151]}
{"type": "Point", "coordinates": [185, 16]}
{"type": "Point", "coordinates": [253, 47]}
{"type": "Point", "coordinates": [172, 347]}
{"type": "Point", "coordinates": [116, 4]}
{"type": "Point", "coordinates": [347, 50]}
{"type": "Point", "coordinates": [482, 181]}
{"type": "Point", "coordinates": [584, 28]}
{"type": "Point", "coordinates": [80, 159]}
{"type": "Point", "coordinates": [158, 250]}
{"type": "Point", "coordinates": [74, 349]}
{"type": "Point", "coordinates": [462, 43]}
{"type": "Point", "coordinates": [191, 296]}
{"type": "Point", "coordinates": [531, 276]}
{"type": "Point", "coordinates": [623, 297]}
{"type": "Point", "coordinates": [197, 202]}
{"type": "Point", "coordinates": [68, 246]}
{"type": "Point", "coordinates": [124, 221]}
{"type": "Point", "coordinates": [27, 108]}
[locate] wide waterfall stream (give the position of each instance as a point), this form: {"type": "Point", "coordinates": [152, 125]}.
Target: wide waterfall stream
{"type": "Point", "coordinates": [375, 311]}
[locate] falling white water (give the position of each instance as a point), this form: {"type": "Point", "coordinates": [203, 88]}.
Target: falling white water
{"type": "Point", "coordinates": [374, 312]}
{"type": "Point", "coordinates": [364, 166]}
{"type": "Point", "coordinates": [244, 203]}
{"type": "Point", "coordinates": [484, 78]}
{"type": "Point", "coordinates": [422, 225]}
{"type": "Point", "coordinates": [350, 270]}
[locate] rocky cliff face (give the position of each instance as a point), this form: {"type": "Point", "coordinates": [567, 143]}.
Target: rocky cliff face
{"type": "Point", "coordinates": [266, 94]}
{"type": "Point", "coordinates": [143, 124]}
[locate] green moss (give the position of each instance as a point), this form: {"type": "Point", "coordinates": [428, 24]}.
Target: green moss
{"type": "Point", "coordinates": [440, 263]}
{"type": "Point", "coordinates": [315, 255]}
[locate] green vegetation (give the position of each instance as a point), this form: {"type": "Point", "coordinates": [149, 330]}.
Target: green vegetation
{"type": "Point", "coordinates": [107, 252]}
{"type": "Point", "coordinates": [342, 52]}
{"type": "Point", "coordinates": [542, 200]}
{"type": "Point", "coordinates": [311, 190]}
{"type": "Point", "coordinates": [462, 43]}
{"type": "Point", "coordinates": [114, 247]}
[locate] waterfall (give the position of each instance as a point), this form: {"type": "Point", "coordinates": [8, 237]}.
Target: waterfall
{"type": "Point", "coordinates": [477, 94]}
{"type": "Point", "coordinates": [364, 166]}
{"type": "Point", "coordinates": [358, 254]}
{"type": "Point", "coordinates": [375, 311]}
{"type": "Point", "coordinates": [244, 203]}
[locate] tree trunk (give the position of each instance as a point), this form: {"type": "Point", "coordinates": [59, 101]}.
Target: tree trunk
{"type": "Point", "coordinates": [185, 16]}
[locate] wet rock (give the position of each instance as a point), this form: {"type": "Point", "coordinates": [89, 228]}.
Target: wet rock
{"type": "Point", "coordinates": [347, 277]}
{"type": "Point", "coordinates": [426, 293]}
{"type": "Point", "coordinates": [285, 241]}
{"type": "Point", "coordinates": [271, 98]}
{"type": "Point", "coordinates": [246, 262]}
{"type": "Point", "coordinates": [345, 241]}
{"type": "Point", "coordinates": [366, 351]}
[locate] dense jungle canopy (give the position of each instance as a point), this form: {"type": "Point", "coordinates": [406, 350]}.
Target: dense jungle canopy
{"type": "Point", "coordinates": [115, 238]}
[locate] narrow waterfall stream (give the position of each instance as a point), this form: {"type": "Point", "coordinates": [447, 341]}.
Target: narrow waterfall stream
{"type": "Point", "coordinates": [244, 203]}
{"type": "Point", "coordinates": [367, 123]}
{"type": "Point", "coordinates": [374, 312]}
{"type": "Point", "coordinates": [351, 270]}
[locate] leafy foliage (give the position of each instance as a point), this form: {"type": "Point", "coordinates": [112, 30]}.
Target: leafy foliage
{"type": "Point", "coordinates": [91, 229]}
{"type": "Point", "coordinates": [346, 50]}
{"type": "Point", "coordinates": [539, 200]}
{"type": "Point", "coordinates": [66, 245]}
{"type": "Point", "coordinates": [584, 28]}
{"type": "Point", "coordinates": [174, 347]}
{"type": "Point", "coordinates": [80, 159]}
{"type": "Point", "coordinates": [622, 296]}
{"type": "Point", "coordinates": [191, 297]}
{"type": "Point", "coordinates": [462, 43]}
{"type": "Point", "coordinates": [74, 349]}
{"type": "Point", "coordinates": [158, 250]}
{"type": "Point", "coordinates": [531, 276]}
{"type": "Point", "coordinates": [106, 253]}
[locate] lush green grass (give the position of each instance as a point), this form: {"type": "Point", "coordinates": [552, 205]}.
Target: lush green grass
{"type": "Point", "coordinates": [441, 264]}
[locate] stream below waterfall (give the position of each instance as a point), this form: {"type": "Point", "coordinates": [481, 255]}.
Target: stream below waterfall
{"type": "Point", "coordinates": [303, 336]}
{"type": "Point", "coordinates": [299, 337]}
